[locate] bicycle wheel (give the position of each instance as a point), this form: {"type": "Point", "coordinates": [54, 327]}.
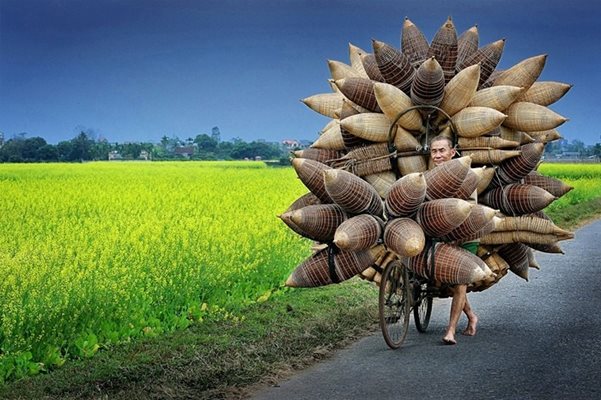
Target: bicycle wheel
{"type": "Point", "coordinates": [422, 310]}
{"type": "Point", "coordinates": [394, 307]}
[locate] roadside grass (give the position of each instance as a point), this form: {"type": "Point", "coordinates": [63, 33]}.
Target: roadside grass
{"type": "Point", "coordinates": [218, 359]}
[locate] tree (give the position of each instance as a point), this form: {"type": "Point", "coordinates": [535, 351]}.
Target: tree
{"type": "Point", "coordinates": [206, 142]}
{"type": "Point", "coordinates": [82, 148]}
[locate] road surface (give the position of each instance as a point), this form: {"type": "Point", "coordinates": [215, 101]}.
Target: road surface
{"type": "Point", "coordinates": [536, 340]}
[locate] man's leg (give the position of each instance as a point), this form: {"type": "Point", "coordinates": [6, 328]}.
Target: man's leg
{"type": "Point", "coordinates": [472, 319]}
{"type": "Point", "coordinates": [457, 305]}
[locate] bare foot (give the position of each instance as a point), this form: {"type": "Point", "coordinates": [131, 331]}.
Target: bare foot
{"type": "Point", "coordinates": [449, 339]}
{"type": "Point", "coordinates": [471, 326]}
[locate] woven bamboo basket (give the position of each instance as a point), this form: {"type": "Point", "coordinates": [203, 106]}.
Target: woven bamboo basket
{"type": "Point", "coordinates": [546, 136]}
{"type": "Point", "coordinates": [427, 87]}
{"type": "Point", "coordinates": [382, 182]}
{"type": "Point", "coordinates": [405, 141]}
{"type": "Point", "coordinates": [491, 79]}
{"type": "Point", "coordinates": [358, 233]}
{"type": "Point", "coordinates": [469, 185]}
{"type": "Point", "coordinates": [394, 66]}
{"type": "Point", "coordinates": [412, 164]}
{"type": "Point", "coordinates": [369, 126]}
{"type": "Point", "coordinates": [529, 117]}
{"type": "Point", "coordinates": [350, 141]}
{"type": "Point", "coordinates": [488, 56]}
{"type": "Point", "coordinates": [444, 48]}
{"type": "Point", "coordinates": [406, 195]}
{"type": "Point", "coordinates": [315, 270]}
{"type": "Point", "coordinates": [439, 217]}
{"type": "Point", "coordinates": [404, 236]}
{"type": "Point", "coordinates": [365, 160]}
{"type": "Point", "coordinates": [446, 179]}
{"type": "Point", "coordinates": [523, 74]}
{"type": "Point", "coordinates": [460, 90]}
{"type": "Point", "coordinates": [285, 217]}
{"type": "Point", "coordinates": [307, 199]}
{"type": "Point", "coordinates": [552, 185]}
{"type": "Point", "coordinates": [360, 91]}
{"type": "Point", "coordinates": [318, 222]}
{"type": "Point", "coordinates": [393, 101]}
{"type": "Point", "coordinates": [553, 248]}
{"type": "Point", "coordinates": [467, 44]}
{"type": "Point", "coordinates": [476, 121]}
{"type": "Point", "coordinates": [476, 223]}
{"type": "Point", "coordinates": [515, 136]}
{"type": "Point", "coordinates": [532, 262]}
{"type": "Point", "coordinates": [496, 97]}
{"type": "Point", "coordinates": [516, 168]}
{"type": "Point", "coordinates": [530, 223]}
{"type": "Point", "coordinates": [320, 155]}
{"type": "Point", "coordinates": [487, 176]}
{"type": "Point", "coordinates": [490, 156]}
{"type": "Point", "coordinates": [526, 237]}
{"type": "Point", "coordinates": [330, 139]}
{"type": "Point", "coordinates": [451, 264]}
{"type": "Point", "coordinates": [340, 70]}
{"type": "Point", "coordinates": [352, 193]}
{"type": "Point", "coordinates": [371, 67]}
{"type": "Point", "coordinates": [517, 199]}
{"type": "Point", "coordinates": [327, 104]}
{"type": "Point", "coordinates": [516, 256]}
{"type": "Point", "coordinates": [413, 43]}
{"type": "Point", "coordinates": [310, 173]}
{"type": "Point", "coordinates": [545, 93]}
{"type": "Point", "coordinates": [355, 53]}
{"type": "Point", "coordinates": [494, 142]}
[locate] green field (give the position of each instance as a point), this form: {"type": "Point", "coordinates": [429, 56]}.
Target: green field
{"type": "Point", "coordinates": [99, 253]}
{"type": "Point", "coordinates": [102, 253]}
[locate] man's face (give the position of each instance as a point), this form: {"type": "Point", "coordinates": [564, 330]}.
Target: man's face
{"type": "Point", "coordinates": [440, 151]}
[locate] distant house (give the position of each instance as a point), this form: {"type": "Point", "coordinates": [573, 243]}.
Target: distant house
{"type": "Point", "coordinates": [114, 155]}
{"type": "Point", "coordinates": [291, 144]}
{"type": "Point", "coordinates": [144, 155]}
{"type": "Point", "coordinates": [185, 151]}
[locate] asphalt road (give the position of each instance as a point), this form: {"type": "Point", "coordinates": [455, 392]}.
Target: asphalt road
{"type": "Point", "coordinates": [536, 340]}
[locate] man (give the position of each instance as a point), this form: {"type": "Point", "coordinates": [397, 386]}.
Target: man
{"type": "Point", "coordinates": [441, 150]}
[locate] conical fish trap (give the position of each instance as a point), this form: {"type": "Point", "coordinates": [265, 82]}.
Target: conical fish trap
{"type": "Point", "coordinates": [318, 222]}
{"type": "Point", "coordinates": [496, 97]}
{"type": "Point", "coordinates": [517, 199]}
{"type": "Point", "coordinates": [478, 219]}
{"type": "Point", "coordinates": [444, 49]}
{"type": "Point", "coordinates": [514, 169]}
{"type": "Point", "coordinates": [352, 193]}
{"type": "Point", "coordinates": [552, 185]}
{"type": "Point", "coordinates": [476, 121]}
{"type": "Point", "coordinates": [360, 91]}
{"type": "Point", "coordinates": [545, 93]}
{"type": "Point", "coordinates": [404, 236]}
{"type": "Point", "coordinates": [488, 56]}
{"type": "Point", "coordinates": [358, 233]}
{"type": "Point", "coordinates": [427, 87]}
{"type": "Point", "coordinates": [446, 179]}
{"type": "Point", "coordinates": [310, 173]}
{"type": "Point", "coordinates": [439, 217]}
{"type": "Point", "coordinates": [324, 156]}
{"type": "Point", "coordinates": [413, 43]}
{"type": "Point", "coordinates": [406, 195]}
{"type": "Point", "coordinates": [394, 66]}
{"type": "Point", "coordinates": [490, 156]}
{"type": "Point", "coordinates": [316, 271]}
{"type": "Point", "coordinates": [449, 264]}
{"type": "Point", "coordinates": [467, 44]}
{"type": "Point", "coordinates": [516, 256]}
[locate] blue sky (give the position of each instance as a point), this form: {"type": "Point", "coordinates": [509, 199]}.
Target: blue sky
{"type": "Point", "coordinates": [133, 70]}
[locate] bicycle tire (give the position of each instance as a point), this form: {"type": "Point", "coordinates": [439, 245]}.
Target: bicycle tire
{"type": "Point", "coordinates": [394, 304]}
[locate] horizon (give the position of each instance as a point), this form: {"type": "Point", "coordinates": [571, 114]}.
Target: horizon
{"type": "Point", "coordinates": [135, 71]}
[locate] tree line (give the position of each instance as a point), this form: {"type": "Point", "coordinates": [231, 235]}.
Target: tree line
{"type": "Point", "coordinates": [84, 148]}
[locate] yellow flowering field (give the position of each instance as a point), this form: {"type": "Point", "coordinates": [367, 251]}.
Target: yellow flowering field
{"type": "Point", "coordinates": [97, 253]}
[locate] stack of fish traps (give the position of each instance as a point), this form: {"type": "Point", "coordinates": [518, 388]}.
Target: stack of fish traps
{"type": "Point", "coordinates": [373, 194]}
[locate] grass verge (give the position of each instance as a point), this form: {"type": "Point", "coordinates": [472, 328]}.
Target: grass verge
{"type": "Point", "coordinates": [227, 359]}
{"type": "Point", "coordinates": [218, 359]}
